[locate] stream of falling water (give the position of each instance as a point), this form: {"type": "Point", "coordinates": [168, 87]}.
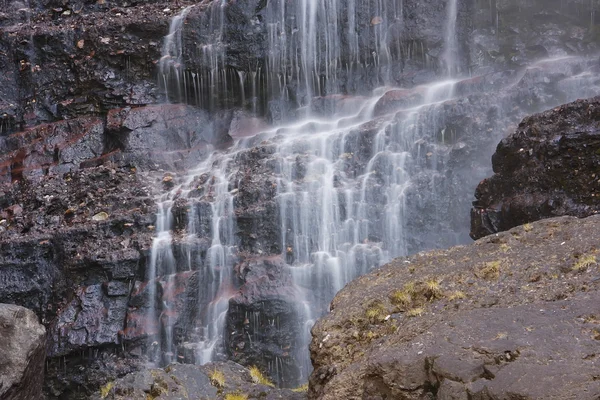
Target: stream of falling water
{"type": "Point", "coordinates": [450, 57]}
{"type": "Point", "coordinates": [341, 179]}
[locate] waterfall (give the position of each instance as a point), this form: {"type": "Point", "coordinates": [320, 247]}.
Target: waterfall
{"type": "Point", "coordinates": [344, 177]}
{"type": "Point", "coordinates": [171, 67]}
{"type": "Point", "coordinates": [162, 263]}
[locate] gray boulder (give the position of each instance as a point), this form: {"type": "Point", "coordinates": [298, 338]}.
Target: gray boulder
{"type": "Point", "coordinates": [22, 354]}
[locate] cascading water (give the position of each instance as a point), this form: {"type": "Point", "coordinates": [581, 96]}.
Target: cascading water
{"type": "Point", "coordinates": [162, 263]}
{"type": "Point", "coordinates": [450, 58]}
{"type": "Point", "coordinates": [171, 68]}
{"type": "Point", "coordinates": [348, 185]}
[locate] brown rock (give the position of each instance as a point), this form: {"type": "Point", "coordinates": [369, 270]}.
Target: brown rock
{"type": "Point", "coordinates": [483, 335]}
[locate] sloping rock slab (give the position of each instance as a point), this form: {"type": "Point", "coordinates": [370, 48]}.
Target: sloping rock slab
{"type": "Point", "coordinates": [22, 354]}
{"type": "Point", "coordinates": [549, 167]}
{"type": "Point", "coordinates": [219, 380]}
{"type": "Point", "coordinates": [513, 316]}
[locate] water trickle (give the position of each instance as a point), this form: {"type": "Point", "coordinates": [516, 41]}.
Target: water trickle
{"type": "Point", "coordinates": [171, 67]}
{"type": "Point", "coordinates": [450, 56]}
{"type": "Point", "coordinates": [162, 263]}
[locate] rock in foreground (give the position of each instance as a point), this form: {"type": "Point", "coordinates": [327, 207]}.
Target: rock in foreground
{"type": "Point", "coordinates": [549, 167]}
{"type": "Point", "coordinates": [515, 315]}
{"type": "Point", "coordinates": [220, 380]}
{"type": "Point", "coordinates": [22, 354]}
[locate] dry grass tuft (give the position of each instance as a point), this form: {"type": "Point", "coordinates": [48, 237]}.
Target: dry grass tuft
{"type": "Point", "coordinates": [217, 378]}
{"type": "Point", "coordinates": [415, 312]}
{"type": "Point", "coordinates": [584, 262]}
{"type": "Point", "coordinates": [258, 377]}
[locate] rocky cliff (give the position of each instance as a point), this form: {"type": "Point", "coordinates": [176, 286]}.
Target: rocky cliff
{"type": "Point", "coordinates": [87, 135]}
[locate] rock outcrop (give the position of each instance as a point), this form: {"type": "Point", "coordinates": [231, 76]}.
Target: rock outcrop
{"type": "Point", "coordinates": [213, 381]}
{"type": "Point", "coordinates": [22, 353]}
{"type": "Point", "coordinates": [548, 167]}
{"type": "Point", "coordinates": [513, 315]}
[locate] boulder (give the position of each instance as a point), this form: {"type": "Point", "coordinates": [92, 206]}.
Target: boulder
{"type": "Point", "coordinates": [513, 315]}
{"type": "Point", "coordinates": [548, 167]}
{"type": "Point", "coordinates": [22, 353]}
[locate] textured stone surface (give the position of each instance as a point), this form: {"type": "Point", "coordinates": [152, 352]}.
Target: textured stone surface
{"type": "Point", "coordinates": [548, 167]}
{"type": "Point", "coordinates": [482, 321]}
{"type": "Point", "coordinates": [263, 318]}
{"type": "Point", "coordinates": [22, 353]}
{"type": "Point", "coordinates": [78, 94]}
{"type": "Point", "coordinates": [207, 382]}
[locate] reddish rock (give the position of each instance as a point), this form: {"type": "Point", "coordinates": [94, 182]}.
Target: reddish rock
{"type": "Point", "coordinates": [394, 100]}
{"type": "Point", "coordinates": [57, 147]}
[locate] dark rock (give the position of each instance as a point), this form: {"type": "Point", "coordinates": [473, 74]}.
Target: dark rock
{"type": "Point", "coordinates": [75, 272]}
{"type": "Point", "coordinates": [79, 86]}
{"type": "Point", "coordinates": [22, 354]}
{"type": "Point", "coordinates": [237, 34]}
{"type": "Point", "coordinates": [91, 319]}
{"type": "Point", "coordinates": [84, 63]}
{"type": "Point", "coordinates": [171, 136]}
{"type": "Point", "coordinates": [425, 326]}
{"type": "Point", "coordinates": [548, 167]}
{"type": "Point", "coordinates": [210, 381]}
{"type": "Point", "coordinates": [263, 320]}
{"type": "Point", "coordinates": [54, 148]}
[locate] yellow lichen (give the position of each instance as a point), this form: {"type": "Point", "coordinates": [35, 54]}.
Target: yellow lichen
{"type": "Point", "coordinates": [401, 298]}
{"type": "Point", "coordinates": [258, 377]}
{"type": "Point", "coordinates": [375, 311]}
{"type": "Point", "coordinates": [528, 227]}
{"type": "Point", "coordinates": [433, 289]}
{"type": "Point", "coordinates": [490, 271]}
{"type": "Point", "coordinates": [410, 288]}
{"type": "Point", "coordinates": [457, 295]}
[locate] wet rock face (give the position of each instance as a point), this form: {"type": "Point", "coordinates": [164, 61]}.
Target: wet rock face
{"type": "Point", "coordinates": [465, 322]}
{"type": "Point", "coordinates": [260, 49]}
{"type": "Point", "coordinates": [262, 321]}
{"type": "Point", "coordinates": [153, 137]}
{"type": "Point", "coordinates": [547, 168]}
{"type": "Point", "coordinates": [71, 246]}
{"type": "Point", "coordinates": [79, 84]}
{"type": "Point", "coordinates": [509, 33]}
{"type": "Point", "coordinates": [54, 148]}
{"type": "Point", "coordinates": [22, 353]}
{"type": "Point", "coordinates": [80, 61]}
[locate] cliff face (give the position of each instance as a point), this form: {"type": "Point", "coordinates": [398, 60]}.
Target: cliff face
{"type": "Point", "coordinates": [87, 133]}
{"type": "Point", "coordinates": [482, 321]}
